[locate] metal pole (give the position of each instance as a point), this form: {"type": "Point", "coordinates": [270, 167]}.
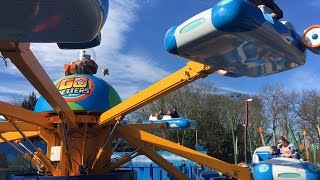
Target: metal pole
{"type": "Point", "coordinates": [22, 134]}
{"type": "Point", "coordinates": [304, 133]}
{"type": "Point", "coordinates": [196, 138]}
{"type": "Point", "coordinates": [11, 144]}
{"type": "Point", "coordinates": [237, 146]}
{"type": "Point", "coordinates": [234, 144]}
{"type": "Point", "coordinates": [101, 149]}
{"type": "Point", "coordinates": [315, 161]}
{"type": "Point", "coordinates": [245, 132]}
{"type": "Point", "coordinates": [250, 144]}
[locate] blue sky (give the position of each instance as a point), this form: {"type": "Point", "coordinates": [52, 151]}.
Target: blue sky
{"type": "Point", "coordinates": [132, 48]}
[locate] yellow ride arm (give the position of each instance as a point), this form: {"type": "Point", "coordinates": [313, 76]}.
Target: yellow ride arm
{"type": "Point", "coordinates": [191, 72]}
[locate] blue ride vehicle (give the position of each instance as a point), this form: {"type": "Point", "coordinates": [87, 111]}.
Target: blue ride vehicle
{"type": "Point", "coordinates": [72, 24]}
{"type": "Point", "coordinates": [173, 123]}
{"type": "Point", "coordinates": [281, 168]}
{"type": "Point", "coordinates": [237, 37]}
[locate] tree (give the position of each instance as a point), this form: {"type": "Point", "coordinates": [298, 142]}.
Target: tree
{"type": "Point", "coordinates": [219, 117]}
{"type": "Point", "coordinates": [3, 160]}
{"type": "Point", "coordinates": [30, 102]}
{"type": "Point", "coordinates": [275, 103]}
{"type": "Point", "coordinates": [308, 110]}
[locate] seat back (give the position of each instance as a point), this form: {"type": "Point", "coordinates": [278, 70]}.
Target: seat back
{"type": "Point", "coordinates": [260, 156]}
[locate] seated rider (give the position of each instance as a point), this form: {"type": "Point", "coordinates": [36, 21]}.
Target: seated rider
{"type": "Point", "coordinates": [277, 12]}
{"type": "Point", "coordinates": [159, 115]}
{"type": "Point", "coordinates": [273, 152]}
{"type": "Point", "coordinates": [174, 113]}
{"type": "Point", "coordinates": [287, 149]}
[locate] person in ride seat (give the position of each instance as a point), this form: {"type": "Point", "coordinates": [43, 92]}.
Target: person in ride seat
{"type": "Point", "coordinates": [174, 113]}
{"type": "Point", "coordinates": [287, 149]}
{"type": "Point", "coordinates": [159, 115]}
{"type": "Point", "coordinates": [273, 152]}
{"type": "Point", "coordinates": [277, 12]}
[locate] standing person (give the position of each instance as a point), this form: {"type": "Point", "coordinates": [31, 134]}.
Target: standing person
{"type": "Point", "coordinates": [287, 149]}
{"type": "Point", "coordinates": [277, 12]}
{"type": "Point", "coordinates": [174, 113]}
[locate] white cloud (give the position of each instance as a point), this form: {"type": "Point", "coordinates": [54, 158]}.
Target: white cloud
{"type": "Point", "coordinates": [133, 70]}
{"type": "Point", "coordinates": [9, 90]}
{"type": "Point", "coordinates": [310, 81]}
{"type": "Point", "coordinates": [5, 98]}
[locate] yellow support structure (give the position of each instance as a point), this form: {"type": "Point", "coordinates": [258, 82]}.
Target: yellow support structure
{"type": "Point", "coordinates": [155, 157]}
{"type": "Point", "coordinates": [191, 72]}
{"type": "Point", "coordinates": [46, 162]}
{"type": "Point", "coordinates": [19, 113]}
{"type": "Point", "coordinates": [31, 158]}
{"type": "Point", "coordinates": [7, 127]}
{"type": "Point", "coordinates": [134, 136]}
{"type": "Point", "coordinates": [22, 57]}
{"type": "Point", "coordinates": [12, 136]}
{"type": "Point", "coordinates": [118, 163]}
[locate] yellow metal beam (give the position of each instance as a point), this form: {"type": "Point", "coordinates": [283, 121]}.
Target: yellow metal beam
{"type": "Point", "coordinates": [191, 72]}
{"type": "Point", "coordinates": [35, 161]}
{"type": "Point", "coordinates": [133, 135]}
{"type": "Point", "coordinates": [107, 143]}
{"type": "Point", "coordinates": [46, 162]}
{"type": "Point", "coordinates": [12, 136]}
{"type": "Point", "coordinates": [19, 113]}
{"type": "Point", "coordinates": [66, 149]}
{"type": "Point", "coordinates": [118, 163]}
{"type": "Point", "coordinates": [155, 157]}
{"type": "Point", "coordinates": [7, 127]}
{"type": "Point", "coordinates": [23, 58]}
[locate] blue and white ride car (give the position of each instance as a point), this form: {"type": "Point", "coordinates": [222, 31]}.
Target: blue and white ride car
{"type": "Point", "coordinates": [73, 24]}
{"type": "Point", "coordinates": [236, 36]}
{"type": "Point", "coordinates": [281, 168]}
{"type": "Point", "coordinates": [173, 123]}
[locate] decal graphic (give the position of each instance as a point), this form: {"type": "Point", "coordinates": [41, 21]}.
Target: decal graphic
{"type": "Point", "coordinates": [75, 88]}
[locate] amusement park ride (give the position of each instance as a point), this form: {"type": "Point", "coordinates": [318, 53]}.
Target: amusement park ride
{"type": "Point", "coordinates": [233, 37]}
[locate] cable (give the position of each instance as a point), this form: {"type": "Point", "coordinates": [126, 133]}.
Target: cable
{"type": "Point", "coordinates": [76, 162]}
{"type": "Point", "coordinates": [87, 161]}
{"type": "Point", "coordinates": [31, 169]}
